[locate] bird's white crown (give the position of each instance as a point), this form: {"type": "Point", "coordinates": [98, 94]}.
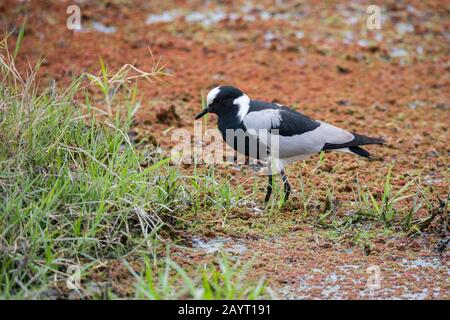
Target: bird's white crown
{"type": "Point", "coordinates": [212, 95]}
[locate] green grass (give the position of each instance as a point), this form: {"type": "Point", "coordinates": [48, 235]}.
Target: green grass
{"type": "Point", "coordinates": [392, 213]}
{"type": "Point", "coordinates": [211, 281]}
{"type": "Point", "coordinates": [71, 185]}
{"type": "Point", "coordinates": [74, 190]}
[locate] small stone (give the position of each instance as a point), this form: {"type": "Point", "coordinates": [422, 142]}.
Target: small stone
{"type": "Point", "coordinates": [343, 102]}
{"type": "Point", "coordinates": [343, 70]}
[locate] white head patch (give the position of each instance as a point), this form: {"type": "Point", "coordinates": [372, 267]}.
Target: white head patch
{"type": "Point", "coordinates": [244, 104]}
{"type": "Point", "coordinates": [212, 95]}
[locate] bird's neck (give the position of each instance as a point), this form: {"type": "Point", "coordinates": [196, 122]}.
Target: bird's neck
{"type": "Point", "coordinates": [230, 121]}
{"type": "Point", "coordinates": [236, 110]}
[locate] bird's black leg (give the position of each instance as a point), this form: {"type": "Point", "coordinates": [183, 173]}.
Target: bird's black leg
{"type": "Point", "coordinates": [269, 188]}
{"type": "Point", "coordinates": [287, 186]}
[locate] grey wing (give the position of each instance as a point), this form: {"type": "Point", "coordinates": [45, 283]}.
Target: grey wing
{"type": "Point", "coordinates": [290, 134]}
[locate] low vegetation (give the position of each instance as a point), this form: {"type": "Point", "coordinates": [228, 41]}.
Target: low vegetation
{"type": "Point", "coordinates": [75, 190]}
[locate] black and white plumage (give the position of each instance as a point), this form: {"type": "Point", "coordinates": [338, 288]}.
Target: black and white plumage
{"type": "Point", "coordinates": [275, 133]}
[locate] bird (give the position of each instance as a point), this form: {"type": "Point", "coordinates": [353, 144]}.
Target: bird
{"type": "Point", "coordinates": [276, 134]}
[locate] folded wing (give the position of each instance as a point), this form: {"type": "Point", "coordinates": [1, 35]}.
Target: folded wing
{"type": "Point", "coordinates": [289, 133]}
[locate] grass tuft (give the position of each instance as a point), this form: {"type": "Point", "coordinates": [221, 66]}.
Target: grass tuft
{"type": "Point", "coordinates": [75, 190]}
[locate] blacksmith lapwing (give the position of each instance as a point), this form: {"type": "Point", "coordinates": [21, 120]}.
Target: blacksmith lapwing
{"type": "Point", "coordinates": [276, 134]}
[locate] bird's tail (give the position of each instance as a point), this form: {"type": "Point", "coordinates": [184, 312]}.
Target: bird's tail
{"type": "Point", "coordinates": [360, 152]}
{"type": "Point", "coordinates": [354, 145]}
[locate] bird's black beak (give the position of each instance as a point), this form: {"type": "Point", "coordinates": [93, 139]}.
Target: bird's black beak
{"type": "Point", "coordinates": [201, 114]}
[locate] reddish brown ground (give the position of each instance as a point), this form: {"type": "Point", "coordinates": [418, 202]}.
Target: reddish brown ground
{"type": "Point", "coordinates": [318, 57]}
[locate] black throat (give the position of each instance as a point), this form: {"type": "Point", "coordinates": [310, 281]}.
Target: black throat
{"type": "Point", "coordinates": [228, 114]}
